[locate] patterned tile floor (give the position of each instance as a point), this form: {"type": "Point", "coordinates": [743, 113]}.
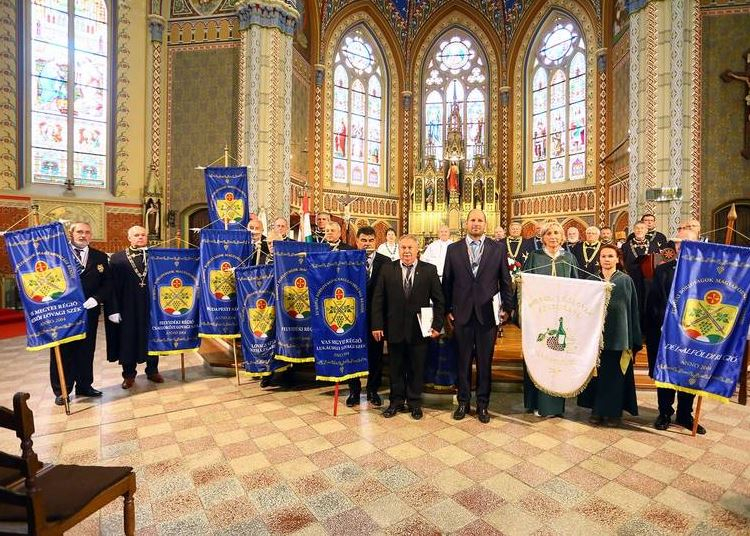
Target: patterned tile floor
{"type": "Point", "coordinates": [214, 458]}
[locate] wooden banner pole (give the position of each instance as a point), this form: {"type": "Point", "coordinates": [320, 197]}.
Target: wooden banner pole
{"type": "Point", "coordinates": [182, 365]}
{"type": "Point", "coordinates": [236, 364]}
{"type": "Point", "coordinates": [697, 415]}
{"type": "Point", "coordinates": [336, 400]}
{"type": "Point", "coordinates": [61, 375]}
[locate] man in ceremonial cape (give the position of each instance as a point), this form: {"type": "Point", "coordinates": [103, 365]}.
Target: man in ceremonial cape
{"type": "Point", "coordinates": [652, 235]}
{"type": "Point", "coordinates": [656, 305]}
{"type": "Point", "coordinates": [130, 309]}
{"type": "Point", "coordinates": [476, 269]}
{"type": "Point", "coordinates": [78, 356]}
{"type": "Point", "coordinates": [375, 261]}
{"type": "Point", "coordinates": [321, 220]}
{"type": "Point", "coordinates": [333, 237]}
{"type": "Point", "coordinates": [587, 254]}
{"type": "Point", "coordinates": [259, 244]}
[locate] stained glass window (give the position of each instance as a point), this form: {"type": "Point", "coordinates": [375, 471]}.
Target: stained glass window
{"type": "Point", "coordinates": [357, 139]}
{"type": "Point", "coordinates": [68, 80]}
{"type": "Point", "coordinates": [455, 71]}
{"type": "Point", "coordinates": [557, 111]}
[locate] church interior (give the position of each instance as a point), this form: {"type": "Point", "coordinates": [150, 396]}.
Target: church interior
{"type": "Point", "coordinates": [394, 114]}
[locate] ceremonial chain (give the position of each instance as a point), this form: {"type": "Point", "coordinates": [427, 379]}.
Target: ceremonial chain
{"type": "Point", "coordinates": [391, 253]}
{"type": "Point", "coordinates": [586, 258]}
{"type": "Point", "coordinates": [639, 244]}
{"type": "Point", "coordinates": [514, 254]}
{"type": "Point", "coordinates": [140, 275]}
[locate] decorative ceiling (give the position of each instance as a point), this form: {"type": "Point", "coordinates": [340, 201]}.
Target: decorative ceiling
{"type": "Point", "coordinates": [407, 17]}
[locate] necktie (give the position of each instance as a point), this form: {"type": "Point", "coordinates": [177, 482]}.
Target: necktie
{"type": "Point", "coordinates": [474, 256]}
{"type": "Point", "coordinates": [407, 280]}
{"type": "Point", "coordinates": [79, 255]}
{"type": "Point", "coordinates": [369, 267]}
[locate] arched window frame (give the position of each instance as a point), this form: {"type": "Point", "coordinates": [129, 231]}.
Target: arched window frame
{"type": "Point", "coordinates": [438, 81]}
{"type": "Point", "coordinates": [356, 156]}
{"type": "Point", "coordinates": [556, 134]}
{"type": "Point", "coordinates": [88, 139]}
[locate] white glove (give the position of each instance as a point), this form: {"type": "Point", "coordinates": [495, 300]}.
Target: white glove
{"type": "Point", "coordinates": [90, 303]}
{"type": "Point", "coordinates": [115, 318]}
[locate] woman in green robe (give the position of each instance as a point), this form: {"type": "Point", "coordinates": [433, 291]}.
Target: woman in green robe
{"type": "Point", "coordinates": [612, 390]}
{"type": "Point", "coordinates": [552, 260]}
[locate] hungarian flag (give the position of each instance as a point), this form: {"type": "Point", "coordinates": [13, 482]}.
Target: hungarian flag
{"type": "Point", "coordinates": [305, 229]}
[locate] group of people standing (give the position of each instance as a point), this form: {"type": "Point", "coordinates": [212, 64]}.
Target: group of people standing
{"type": "Point", "coordinates": [457, 281]}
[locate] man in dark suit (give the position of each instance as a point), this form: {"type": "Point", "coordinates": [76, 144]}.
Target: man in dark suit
{"type": "Point", "coordinates": [281, 226]}
{"type": "Point", "coordinates": [656, 305]}
{"type": "Point", "coordinates": [321, 220]}
{"type": "Point", "coordinates": [78, 356]}
{"type": "Point", "coordinates": [475, 270]}
{"type": "Point", "coordinates": [403, 288]}
{"type": "Point", "coordinates": [258, 242]}
{"type": "Point", "coordinates": [375, 261]}
{"type": "Point", "coordinates": [333, 237]}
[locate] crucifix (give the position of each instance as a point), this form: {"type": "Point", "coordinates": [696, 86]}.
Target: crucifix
{"type": "Point", "coordinates": [744, 76]}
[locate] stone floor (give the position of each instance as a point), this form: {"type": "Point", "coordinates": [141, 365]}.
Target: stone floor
{"type": "Point", "coordinates": [214, 458]}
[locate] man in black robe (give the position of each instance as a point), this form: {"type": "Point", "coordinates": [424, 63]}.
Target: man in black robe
{"type": "Point", "coordinates": [587, 254]}
{"type": "Point", "coordinates": [321, 220]}
{"type": "Point", "coordinates": [130, 309]}
{"type": "Point", "coordinates": [635, 254]}
{"type": "Point", "coordinates": [260, 253]}
{"type": "Point", "coordinates": [656, 305]}
{"type": "Point", "coordinates": [78, 356]}
{"type": "Point", "coordinates": [652, 235]}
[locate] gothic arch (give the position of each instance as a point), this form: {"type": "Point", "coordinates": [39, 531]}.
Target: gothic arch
{"type": "Point", "coordinates": [525, 35]}
{"type": "Point", "coordinates": [382, 37]}
{"type": "Point", "coordinates": [425, 39]}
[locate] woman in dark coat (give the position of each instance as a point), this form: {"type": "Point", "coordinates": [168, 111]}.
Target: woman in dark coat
{"type": "Point", "coordinates": [612, 390]}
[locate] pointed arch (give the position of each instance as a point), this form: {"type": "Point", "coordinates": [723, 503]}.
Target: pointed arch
{"type": "Point", "coordinates": [460, 20]}
{"type": "Point", "coordinates": [364, 152]}
{"type": "Point", "coordinates": [524, 48]}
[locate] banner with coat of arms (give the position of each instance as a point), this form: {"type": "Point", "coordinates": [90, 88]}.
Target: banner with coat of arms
{"type": "Point", "coordinates": [256, 296]}
{"type": "Point", "coordinates": [293, 332]}
{"type": "Point", "coordinates": [338, 298]}
{"type": "Point", "coordinates": [220, 253]}
{"type": "Point", "coordinates": [173, 287]}
{"type": "Point", "coordinates": [562, 320]}
{"type": "Point", "coordinates": [226, 192]}
{"type": "Point", "coordinates": [49, 284]}
{"type": "Point", "coordinates": [706, 321]}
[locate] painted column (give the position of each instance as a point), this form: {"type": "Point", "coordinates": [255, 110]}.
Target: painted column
{"type": "Point", "coordinates": [661, 125]}
{"type": "Point", "coordinates": [266, 101]}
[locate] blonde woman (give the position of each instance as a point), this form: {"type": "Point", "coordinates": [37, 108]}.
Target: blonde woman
{"type": "Point", "coordinates": [552, 260]}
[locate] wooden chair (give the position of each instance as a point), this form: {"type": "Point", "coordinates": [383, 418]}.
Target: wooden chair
{"type": "Point", "coordinates": [38, 498]}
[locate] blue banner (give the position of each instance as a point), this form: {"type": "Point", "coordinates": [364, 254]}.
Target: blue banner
{"type": "Point", "coordinates": [293, 332]}
{"type": "Point", "coordinates": [221, 252]}
{"type": "Point", "coordinates": [706, 322]}
{"type": "Point", "coordinates": [173, 284]}
{"type": "Point", "coordinates": [49, 284]}
{"type": "Point", "coordinates": [441, 369]}
{"type": "Point", "coordinates": [256, 296]}
{"type": "Point", "coordinates": [338, 296]}
{"type": "Point", "coordinates": [226, 193]}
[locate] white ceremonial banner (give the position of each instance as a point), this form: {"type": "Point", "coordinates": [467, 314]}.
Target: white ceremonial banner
{"type": "Point", "coordinates": [562, 320]}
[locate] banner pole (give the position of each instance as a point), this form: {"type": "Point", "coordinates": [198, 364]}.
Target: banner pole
{"type": "Point", "coordinates": [182, 364]}
{"type": "Point", "coordinates": [236, 365]}
{"type": "Point", "coordinates": [697, 415]}
{"type": "Point", "coordinates": [61, 375]}
{"type": "Point", "coordinates": [336, 400]}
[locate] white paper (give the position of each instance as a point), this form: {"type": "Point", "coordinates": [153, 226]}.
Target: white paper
{"type": "Point", "coordinates": [497, 303]}
{"type": "Point", "coordinates": [425, 321]}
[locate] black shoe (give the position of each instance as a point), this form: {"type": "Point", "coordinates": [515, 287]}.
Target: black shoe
{"type": "Point", "coordinates": [613, 422]}
{"type": "Point", "coordinates": [265, 381]}
{"type": "Point", "coordinates": [461, 411]}
{"type": "Point", "coordinates": [374, 399]}
{"type": "Point", "coordinates": [90, 391]}
{"type": "Point", "coordinates": [483, 415]}
{"type": "Point", "coordinates": [60, 401]}
{"type": "Point", "coordinates": [662, 422]}
{"type": "Point", "coordinates": [595, 419]}
{"type": "Point", "coordinates": [352, 400]}
{"type": "Point", "coordinates": [416, 413]}
{"type": "Point", "coordinates": [688, 423]}
{"type": "Point", "coordinates": [392, 409]}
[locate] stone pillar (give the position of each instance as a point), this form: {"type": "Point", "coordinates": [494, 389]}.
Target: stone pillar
{"type": "Point", "coordinates": [152, 188]}
{"type": "Point", "coordinates": [660, 124]}
{"type": "Point", "coordinates": [266, 100]}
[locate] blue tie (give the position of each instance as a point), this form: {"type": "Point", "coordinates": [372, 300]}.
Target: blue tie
{"type": "Point", "coordinates": [474, 256]}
